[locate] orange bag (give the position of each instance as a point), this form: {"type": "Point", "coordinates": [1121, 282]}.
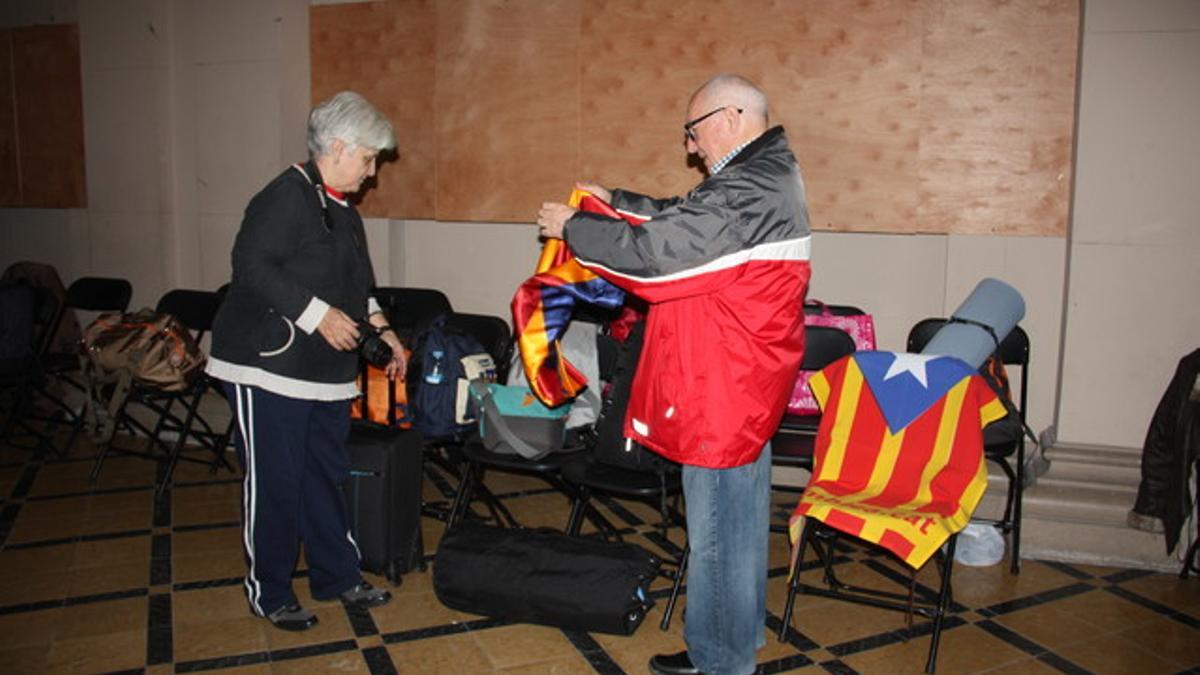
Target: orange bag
{"type": "Point", "coordinates": [382, 401]}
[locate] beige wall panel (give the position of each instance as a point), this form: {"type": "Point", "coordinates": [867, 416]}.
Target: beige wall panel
{"type": "Point", "coordinates": [439, 253]}
{"type": "Point", "coordinates": [237, 126]}
{"type": "Point", "coordinates": [1133, 315]}
{"type": "Point", "coordinates": [897, 278]}
{"type": "Point", "coordinates": [123, 33]}
{"type": "Point", "coordinates": [121, 130]}
{"type": "Point", "coordinates": [1139, 154]}
{"type": "Point", "coordinates": [507, 106]}
{"type": "Point", "coordinates": [997, 114]}
{"type": "Point", "coordinates": [44, 235]}
{"type": "Point", "coordinates": [10, 186]}
{"type": "Point", "coordinates": [385, 51]}
{"type": "Point", "coordinates": [127, 245]}
{"type": "Point", "coordinates": [46, 79]}
{"type": "Point", "coordinates": [216, 246]}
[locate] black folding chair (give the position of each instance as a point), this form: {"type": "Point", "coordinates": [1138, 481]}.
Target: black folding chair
{"type": "Point", "coordinates": [195, 309]}
{"type": "Point", "coordinates": [27, 323]}
{"type": "Point", "coordinates": [411, 310]}
{"type": "Point", "coordinates": [88, 294]}
{"type": "Point", "coordinates": [792, 444]}
{"type": "Point", "coordinates": [1004, 439]}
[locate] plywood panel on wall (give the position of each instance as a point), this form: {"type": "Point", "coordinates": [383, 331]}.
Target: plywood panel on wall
{"type": "Point", "coordinates": [508, 107]}
{"type": "Point", "coordinates": [905, 115]}
{"type": "Point", "coordinates": [843, 84]}
{"type": "Point", "coordinates": [41, 118]}
{"type": "Point", "coordinates": [50, 114]}
{"type": "Point", "coordinates": [998, 111]}
{"type": "Point", "coordinates": [385, 51]}
{"type": "Point", "coordinates": [10, 175]}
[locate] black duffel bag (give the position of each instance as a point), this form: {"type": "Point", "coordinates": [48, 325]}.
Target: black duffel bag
{"type": "Point", "coordinates": [545, 577]}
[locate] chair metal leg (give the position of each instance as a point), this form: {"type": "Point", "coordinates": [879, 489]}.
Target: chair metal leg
{"type": "Point", "coordinates": [1010, 522]}
{"type": "Point", "coordinates": [462, 498]}
{"type": "Point", "coordinates": [177, 448]}
{"type": "Point", "coordinates": [794, 581]}
{"type": "Point", "coordinates": [1018, 500]}
{"type": "Point", "coordinates": [579, 506]}
{"type": "Point", "coordinates": [943, 602]}
{"type": "Point", "coordinates": [680, 573]}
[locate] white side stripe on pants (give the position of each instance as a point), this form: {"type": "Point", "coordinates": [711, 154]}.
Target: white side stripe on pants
{"type": "Point", "coordinates": [245, 420]}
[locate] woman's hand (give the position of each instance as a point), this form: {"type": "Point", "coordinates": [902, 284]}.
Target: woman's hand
{"type": "Point", "coordinates": [399, 363]}
{"type": "Point", "coordinates": [339, 330]}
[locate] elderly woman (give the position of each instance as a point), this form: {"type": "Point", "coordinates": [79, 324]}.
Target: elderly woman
{"type": "Point", "coordinates": [284, 343]}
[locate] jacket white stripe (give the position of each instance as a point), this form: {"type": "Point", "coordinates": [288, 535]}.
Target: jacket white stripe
{"type": "Point", "coordinates": [786, 250]}
{"type": "Point", "coordinates": [280, 384]}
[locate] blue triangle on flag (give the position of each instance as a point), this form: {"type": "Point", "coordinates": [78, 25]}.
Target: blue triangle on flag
{"type": "Point", "coordinates": [906, 385]}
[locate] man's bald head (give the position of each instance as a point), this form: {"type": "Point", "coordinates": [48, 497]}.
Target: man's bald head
{"type": "Point", "coordinates": [735, 91]}
{"type": "Point", "coordinates": [725, 113]}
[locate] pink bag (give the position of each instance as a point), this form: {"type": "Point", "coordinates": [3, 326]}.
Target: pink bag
{"type": "Point", "coordinates": [861, 328]}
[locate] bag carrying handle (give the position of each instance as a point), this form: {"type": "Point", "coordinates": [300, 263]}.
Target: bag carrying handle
{"type": "Point", "coordinates": [481, 392]}
{"type": "Point", "coordinates": [825, 311]}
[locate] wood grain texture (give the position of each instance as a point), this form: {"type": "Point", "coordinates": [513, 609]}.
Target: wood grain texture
{"type": "Point", "coordinates": [508, 107]}
{"type": "Point", "coordinates": [49, 113]}
{"type": "Point", "coordinates": [10, 175]}
{"type": "Point", "coordinates": [997, 117]}
{"type": "Point", "coordinates": [385, 51]}
{"type": "Point", "coordinates": [905, 115]}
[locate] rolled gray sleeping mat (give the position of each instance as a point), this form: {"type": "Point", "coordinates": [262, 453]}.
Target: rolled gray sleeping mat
{"type": "Point", "coordinates": [980, 323]}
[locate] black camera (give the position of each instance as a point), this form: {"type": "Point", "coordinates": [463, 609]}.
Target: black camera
{"type": "Point", "coordinates": [372, 347]}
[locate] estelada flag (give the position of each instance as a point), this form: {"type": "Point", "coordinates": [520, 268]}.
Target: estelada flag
{"type": "Point", "coordinates": [898, 460]}
{"type": "Point", "coordinates": [543, 305]}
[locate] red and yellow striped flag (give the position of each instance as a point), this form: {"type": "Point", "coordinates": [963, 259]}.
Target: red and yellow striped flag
{"type": "Point", "coordinates": [898, 459]}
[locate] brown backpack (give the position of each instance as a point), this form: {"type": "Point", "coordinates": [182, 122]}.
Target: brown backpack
{"type": "Point", "coordinates": [156, 349]}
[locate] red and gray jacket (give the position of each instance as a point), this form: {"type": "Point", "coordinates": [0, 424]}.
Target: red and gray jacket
{"type": "Point", "coordinates": [725, 270]}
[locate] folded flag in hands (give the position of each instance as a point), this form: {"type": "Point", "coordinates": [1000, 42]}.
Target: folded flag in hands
{"type": "Point", "coordinates": [543, 305]}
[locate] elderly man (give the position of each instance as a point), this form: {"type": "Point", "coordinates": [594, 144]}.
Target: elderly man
{"type": "Point", "coordinates": [725, 270]}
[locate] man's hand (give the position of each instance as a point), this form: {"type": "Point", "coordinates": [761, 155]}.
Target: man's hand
{"type": "Point", "coordinates": [596, 189]}
{"type": "Point", "coordinates": [339, 330]}
{"type": "Point", "coordinates": [551, 219]}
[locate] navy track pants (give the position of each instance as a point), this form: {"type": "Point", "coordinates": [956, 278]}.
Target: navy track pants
{"type": "Point", "coordinates": [294, 455]}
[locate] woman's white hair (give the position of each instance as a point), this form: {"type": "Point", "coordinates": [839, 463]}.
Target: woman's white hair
{"type": "Point", "coordinates": [349, 117]}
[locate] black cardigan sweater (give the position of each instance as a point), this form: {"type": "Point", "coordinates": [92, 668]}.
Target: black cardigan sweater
{"type": "Point", "coordinates": [296, 245]}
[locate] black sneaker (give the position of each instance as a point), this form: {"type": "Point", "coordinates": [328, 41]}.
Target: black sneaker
{"type": "Point", "coordinates": [365, 595]}
{"type": "Point", "coordinates": [292, 617]}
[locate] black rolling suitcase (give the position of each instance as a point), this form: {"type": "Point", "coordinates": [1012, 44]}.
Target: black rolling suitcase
{"type": "Point", "coordinates": [383, 498]}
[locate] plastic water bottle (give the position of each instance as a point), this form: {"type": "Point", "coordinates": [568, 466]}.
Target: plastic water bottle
{"type": "Point", "coordinates": [435, 376]}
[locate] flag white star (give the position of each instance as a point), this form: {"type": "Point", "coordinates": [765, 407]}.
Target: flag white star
{"type": "Point", "coordinates": [914, 364]}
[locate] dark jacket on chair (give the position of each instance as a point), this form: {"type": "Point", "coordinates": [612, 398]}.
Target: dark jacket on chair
{"type": "Point", "coordinates": [1172, 445]}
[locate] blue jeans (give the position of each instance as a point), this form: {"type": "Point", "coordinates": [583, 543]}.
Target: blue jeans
{"type": "Point", "coordinates": [728, 521]}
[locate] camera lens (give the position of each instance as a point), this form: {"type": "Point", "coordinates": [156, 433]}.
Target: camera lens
{"type": "Point", "coordinates": [372, 348]}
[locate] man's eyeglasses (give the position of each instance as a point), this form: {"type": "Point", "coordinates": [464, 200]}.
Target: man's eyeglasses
{"type": "Point", "coordinates": [688, 127]}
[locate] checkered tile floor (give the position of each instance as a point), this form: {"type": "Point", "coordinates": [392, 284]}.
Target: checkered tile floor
{"type": "Point", "coordinates": [101, 578]}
